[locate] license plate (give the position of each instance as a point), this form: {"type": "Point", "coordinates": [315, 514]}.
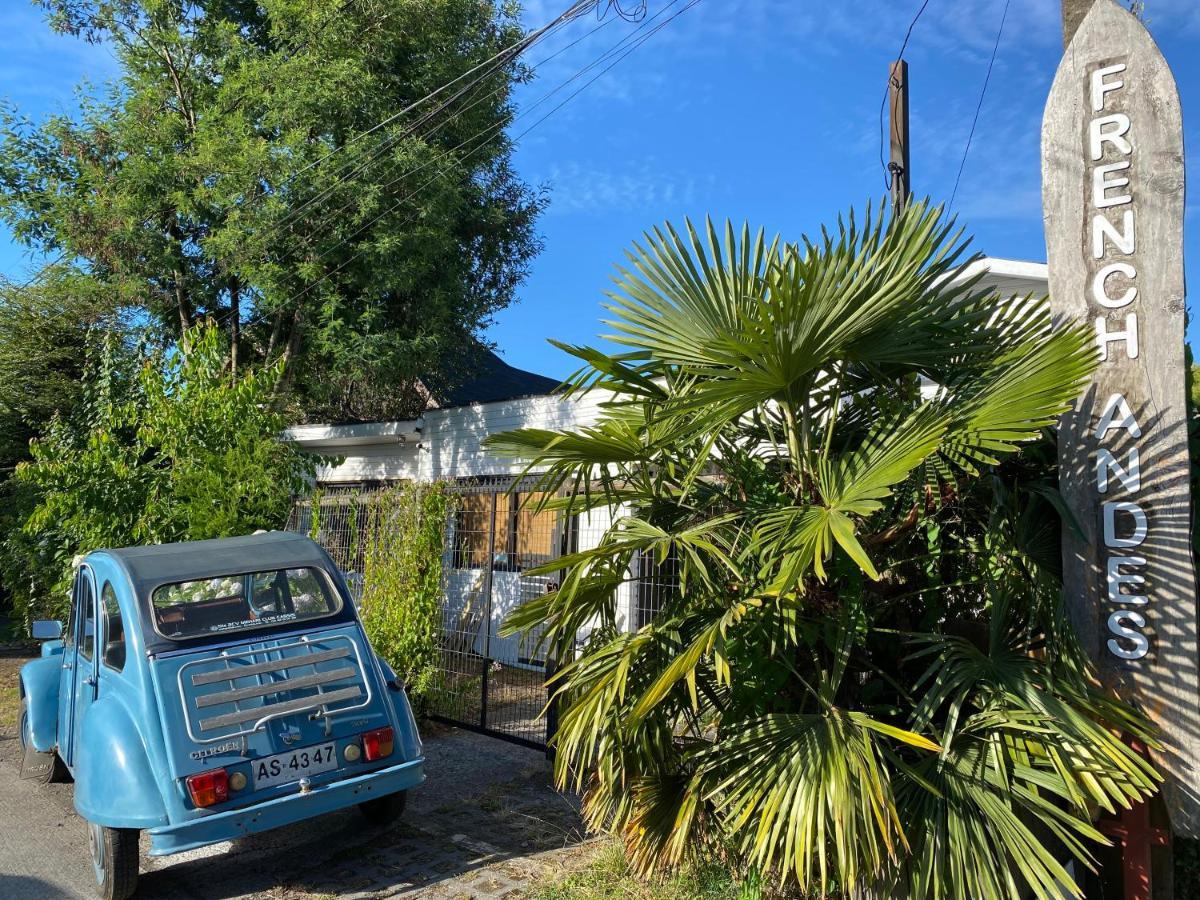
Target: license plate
{"type": "Point", "coordinates": [294, 765]}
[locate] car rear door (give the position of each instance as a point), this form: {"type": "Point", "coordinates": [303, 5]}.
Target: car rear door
{"type": "Point", "coordinates": [82, 665]}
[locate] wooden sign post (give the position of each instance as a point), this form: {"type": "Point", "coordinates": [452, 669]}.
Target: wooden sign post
{"type": "Point", "coordinates": [1113, 194]}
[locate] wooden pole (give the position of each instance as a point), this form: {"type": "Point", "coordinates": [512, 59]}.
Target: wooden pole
{"type": "Point", "coordinates": [898, 167]}
{"type": "Point", "coordinates": [1113, 69]}
{"type": "Point", "coordinates": [1073, 12]}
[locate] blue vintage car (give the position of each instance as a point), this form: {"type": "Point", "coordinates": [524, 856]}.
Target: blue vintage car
{"type": "Point", "coordinates": [207, 690]}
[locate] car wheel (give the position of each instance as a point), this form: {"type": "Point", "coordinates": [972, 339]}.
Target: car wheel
{"type": "Point", "coordinates": [54, 768]}
{"type": "Point", "coordinates": [114, 861]}
{"type": "Point", "coordinates": [384, 810]}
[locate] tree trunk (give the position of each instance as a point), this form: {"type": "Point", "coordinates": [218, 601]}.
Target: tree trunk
{"type": "Point", "coordinates": [1073, 12]}
{"type": "Point", "coordinates": [185, 315]}
{"type": "Point", "coordinates": [235, 325]}
{"type": "Point", "coordinates": [289, 355]}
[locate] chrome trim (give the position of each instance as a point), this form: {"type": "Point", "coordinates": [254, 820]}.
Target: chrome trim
{"type": "Point", "coordinates": [318, 702]}
{"type": "Point", "coordinates": [262, 690]}
{"type": "Point", "coordinates": [300, 704]}
{"type": "Point", "coordinates": [203, 678]}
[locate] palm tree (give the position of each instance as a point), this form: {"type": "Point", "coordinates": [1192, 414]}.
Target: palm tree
{"type": "Point", "coordinates": [863, 681]}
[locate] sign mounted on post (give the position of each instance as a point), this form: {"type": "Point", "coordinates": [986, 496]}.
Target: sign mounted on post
{"type": "Point", "coordinates": [1113, 195]}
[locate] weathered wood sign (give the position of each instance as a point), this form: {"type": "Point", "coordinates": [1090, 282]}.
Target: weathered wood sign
{"type": "Point", "coordinates": [1113, 194]}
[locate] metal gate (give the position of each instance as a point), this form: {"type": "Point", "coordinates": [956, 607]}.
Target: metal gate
{"type": "Point", "coordinates": [493, 683]}
{"type": "Point", "coordinates": [488, 682]}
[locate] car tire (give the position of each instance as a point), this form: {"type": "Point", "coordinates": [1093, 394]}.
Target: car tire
{"type": "Point", "coordinates": [57, 771]}
{"type": "Point", "coordinates": [114, 861]}
{"type": "Point", "coordinates": [386, 809]}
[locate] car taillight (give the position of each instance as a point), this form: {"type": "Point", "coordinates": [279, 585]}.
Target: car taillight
{"type": "Point", "coordinates": [377, 744]}
{"type": "Point", "coordinates": [208, 788]}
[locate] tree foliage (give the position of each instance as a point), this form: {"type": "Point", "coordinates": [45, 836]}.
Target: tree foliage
{"type": "Point", "coordinates": [165, 446]}
{"type": "Point", "coordinates": [249, 166]}
{"type": "Point", "coordinates": [863, 678]}
{"type": "Point", "coordinates": [45, 339]}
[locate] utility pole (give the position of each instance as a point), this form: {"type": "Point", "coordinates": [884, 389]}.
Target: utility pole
{"type": "Point", "coordinates": [1073, 12]}
{"type": "Point", "coordinates": [898, 170]}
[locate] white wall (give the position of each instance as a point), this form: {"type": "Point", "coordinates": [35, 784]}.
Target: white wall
{"type": "Point", "coordinates": [452, 439]}
{"type": "Point", "coordinates": [388, 461]}
{"type": "Point", "coordinates": [448, 443]}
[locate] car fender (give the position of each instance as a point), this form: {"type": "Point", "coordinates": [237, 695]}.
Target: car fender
{"type": "Point", "coordinates": [39, 686]}
{"type": "Point", "coordinates": [410, 738]}
{"type": "Point", "coordinates": [115, 784]}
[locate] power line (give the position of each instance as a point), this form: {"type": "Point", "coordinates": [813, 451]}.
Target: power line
{"type": "Point", "coordinates": [506, 55]}
{"type": "Point", "coordinates": [355, 167]}
{"type": "Point", "coordinates": [982, 94]}
{"type": "Point", "coordinates": [40, 273]}
{"type": "Point", "coordinates": [887, 174]}
{"type": "Point", "coordinates": [493, 129]}
{"type": "Point", "coordinates": [485, 134]}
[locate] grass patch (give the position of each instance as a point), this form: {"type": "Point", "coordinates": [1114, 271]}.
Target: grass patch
{"type": "Point", "coordinates": [608, 877]}
{"type": "Point", "coordinates": [10, 697]}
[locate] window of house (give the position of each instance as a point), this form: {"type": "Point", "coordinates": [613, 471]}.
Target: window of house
{"type": "Point", "coordinates": [525, 536]}
{"type": "Point", "coordinates": [472, 526]}
{"type": "Point", "coordinates": [114, 629]}
{"type": "Point", "coordinates": [531, 532]}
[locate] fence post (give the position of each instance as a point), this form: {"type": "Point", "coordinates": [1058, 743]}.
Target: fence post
{"type": "Point", "coordinates": [487, 620]}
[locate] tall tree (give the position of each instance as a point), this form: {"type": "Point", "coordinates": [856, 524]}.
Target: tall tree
{"type": "Point", "coordinates": [232, 171]}
{"type": "Point", "coordinates": [46, 330]}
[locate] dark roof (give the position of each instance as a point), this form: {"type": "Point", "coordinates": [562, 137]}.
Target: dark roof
{"type": "Point", "coordinates": [157, 564]}
{"type": "Point", "coordinates": [494, 380]}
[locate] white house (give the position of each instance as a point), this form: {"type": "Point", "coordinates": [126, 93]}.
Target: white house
{"type": "Point", "coordinates": [446, 443]}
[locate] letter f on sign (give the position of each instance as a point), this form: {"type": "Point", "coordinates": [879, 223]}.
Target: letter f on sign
{"type": "Point", "coordinates": [1100, 87]}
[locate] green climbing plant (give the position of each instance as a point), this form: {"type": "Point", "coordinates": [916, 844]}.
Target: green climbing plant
{"type": "Point", "coordinates": [402, 534]}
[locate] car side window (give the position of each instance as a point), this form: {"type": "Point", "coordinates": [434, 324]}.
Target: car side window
{"type": "Point", "coordinates": [114, 629]}
{"type": "Point", "coordinates": [87, 616]}
{"type": "Point", "coordinates": [72, 617]}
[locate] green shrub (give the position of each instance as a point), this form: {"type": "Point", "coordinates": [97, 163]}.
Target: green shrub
{"type": "Point", "coordinates": [166, 446]}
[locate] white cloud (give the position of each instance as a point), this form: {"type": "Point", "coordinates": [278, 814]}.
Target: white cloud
{"type": "Point", "coordinates": [644, 186]}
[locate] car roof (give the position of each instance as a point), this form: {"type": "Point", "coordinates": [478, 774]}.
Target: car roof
{"type": "Point", "coordinates": [156, 564]}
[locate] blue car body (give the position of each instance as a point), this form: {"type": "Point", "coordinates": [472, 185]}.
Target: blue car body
{"type": "Point", "coordinates": [141, 694]}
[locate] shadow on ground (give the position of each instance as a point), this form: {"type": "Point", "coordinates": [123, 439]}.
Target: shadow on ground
{"type": "Point", "coordinates": [486, 823]}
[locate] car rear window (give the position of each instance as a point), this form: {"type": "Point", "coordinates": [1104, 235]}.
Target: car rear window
{"type": "Point", "coordinates": [251, 600]}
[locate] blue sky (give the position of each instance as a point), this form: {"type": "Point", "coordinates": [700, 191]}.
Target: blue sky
{"type": "Point", "coordinates": [758, 110]}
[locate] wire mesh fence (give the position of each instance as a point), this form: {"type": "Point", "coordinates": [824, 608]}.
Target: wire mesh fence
{"type": "Point", "coordinates": [496, 535]}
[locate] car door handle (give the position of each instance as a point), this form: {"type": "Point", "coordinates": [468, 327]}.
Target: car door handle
{"type": "Point", "coordinates": [90, 681]}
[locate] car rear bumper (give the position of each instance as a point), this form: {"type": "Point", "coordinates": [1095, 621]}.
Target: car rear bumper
{"type": "Point", "coordinates": [236, 823]}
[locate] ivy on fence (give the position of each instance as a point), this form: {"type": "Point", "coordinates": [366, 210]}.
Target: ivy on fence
{"type": "Point", "coordinates": [395, 540]}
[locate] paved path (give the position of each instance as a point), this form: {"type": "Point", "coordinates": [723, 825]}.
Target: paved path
{"type": "Point", "coordinates": [486, 824]}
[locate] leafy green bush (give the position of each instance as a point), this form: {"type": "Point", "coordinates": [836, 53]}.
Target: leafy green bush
{"type": "Point", "coordinates": [401, 533]}
{"type": "Point", "coordinates": [166, 446]}
{"type": "Point", "coordinates": [863, 679]}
